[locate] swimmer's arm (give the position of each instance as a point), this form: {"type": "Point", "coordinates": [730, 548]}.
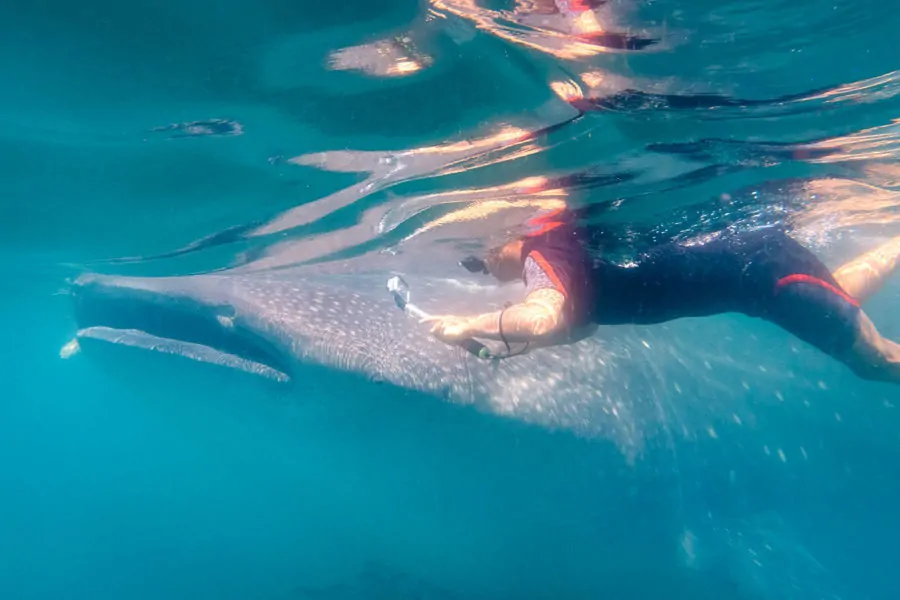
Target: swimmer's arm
{"type": "Point", "coordinates": [539, 317]}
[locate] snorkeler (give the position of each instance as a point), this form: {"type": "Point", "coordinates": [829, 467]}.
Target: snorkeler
{"type": "Point", "coordinates": [761, 273]}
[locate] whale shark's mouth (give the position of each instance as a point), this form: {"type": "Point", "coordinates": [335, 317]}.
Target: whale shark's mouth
{"type": "Point", "coordinates": [140, 315]}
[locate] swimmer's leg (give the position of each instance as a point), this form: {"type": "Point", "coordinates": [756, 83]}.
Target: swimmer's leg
{"type": "Point", "coordinates": [873, 357]}
{"type": "Point", "coordinates": [865, 275]}
{"type": "Point", "coordinates": [833, 322]}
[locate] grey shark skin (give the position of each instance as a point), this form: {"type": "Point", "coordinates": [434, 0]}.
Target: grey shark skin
{"type": "Point", "coordinates": [644, 450]}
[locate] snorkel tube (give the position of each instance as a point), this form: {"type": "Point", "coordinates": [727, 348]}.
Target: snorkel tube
{"type": "Point", "coordinates": [399, 289]}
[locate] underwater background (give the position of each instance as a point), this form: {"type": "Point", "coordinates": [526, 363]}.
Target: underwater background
{"type": "Point", "coordinates": [150, 137]}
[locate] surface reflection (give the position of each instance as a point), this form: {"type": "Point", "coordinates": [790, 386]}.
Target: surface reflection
{"type": "Point", "coordinates": [564, 29]}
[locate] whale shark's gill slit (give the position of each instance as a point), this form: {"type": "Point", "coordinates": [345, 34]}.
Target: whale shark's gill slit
{"type": "Point", "coordinates": [140, 339]}
{"type": "Point", "coordinates": [205, 331]}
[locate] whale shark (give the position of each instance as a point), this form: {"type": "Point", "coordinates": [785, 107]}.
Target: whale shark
{"type": "Point", "coordinates": [285, 325]}
{"type": "Point", "coordinates": [279, 324]}
{"type": "Point", "coordinates": [666, 419]}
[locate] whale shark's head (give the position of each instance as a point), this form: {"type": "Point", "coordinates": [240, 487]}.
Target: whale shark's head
{"type": "Point", "coordinates": [194, 317]}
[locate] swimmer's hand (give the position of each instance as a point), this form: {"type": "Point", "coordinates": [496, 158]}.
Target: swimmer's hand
{"type": "Point", "coordinates": [539, 318]}
{"type": "Point", "coordinates": [449, 328]}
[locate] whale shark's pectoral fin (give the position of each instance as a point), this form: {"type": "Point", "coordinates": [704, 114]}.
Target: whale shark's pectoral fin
{"type": "Point", "coordinates": [136, 338]}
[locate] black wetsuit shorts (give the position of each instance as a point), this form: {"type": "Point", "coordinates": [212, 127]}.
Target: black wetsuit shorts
{"type": "Point", "coordinates": [762, 273]}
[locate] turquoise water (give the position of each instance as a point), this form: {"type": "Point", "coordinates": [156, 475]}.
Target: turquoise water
{"type": "Point", "coordinates": [771, 472]}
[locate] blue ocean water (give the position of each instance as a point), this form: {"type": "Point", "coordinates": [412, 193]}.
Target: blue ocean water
{"type": "Point", "coordinates": [140, 130]}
